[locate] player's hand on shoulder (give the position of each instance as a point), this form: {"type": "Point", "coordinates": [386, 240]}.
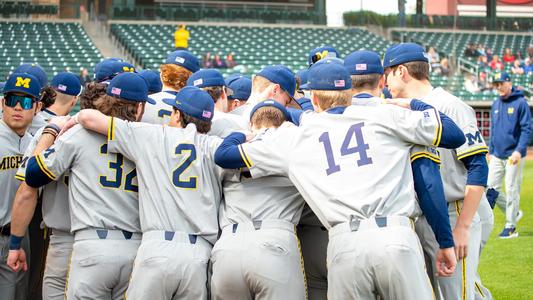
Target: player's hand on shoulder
{"type": "Point", "coordinates": [446, 262]}
{"type": "Point", "coordinates": [59, 121]}
{"type": "Point", "coordinates": [16, 260]}
{"type": "Point", "coordinates": [69, 124]}
{"type": "Point", "coordinates": [401, 102]}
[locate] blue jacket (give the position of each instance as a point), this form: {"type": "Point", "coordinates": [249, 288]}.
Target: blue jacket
{"type": "Point", "coordinates": [510, 126]}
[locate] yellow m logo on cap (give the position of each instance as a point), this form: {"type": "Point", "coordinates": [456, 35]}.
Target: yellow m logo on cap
{"type": "Point", "coordinates": [127, 69]}
{"type": "Point", "coordinates": [498, 76]}
{"type": "Point", "coordinates": [321, 55]}
{"type": "Point", "coordinates": [24, 82]}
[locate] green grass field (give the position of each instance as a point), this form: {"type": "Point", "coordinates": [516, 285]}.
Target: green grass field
{"type": "Point", "coordinates": [506, 266]}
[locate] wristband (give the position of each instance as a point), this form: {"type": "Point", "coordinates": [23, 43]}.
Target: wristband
{"type": "Point", "coordinates": [53, 127]}
{"type": "Point", "coordinates": [14, 242]}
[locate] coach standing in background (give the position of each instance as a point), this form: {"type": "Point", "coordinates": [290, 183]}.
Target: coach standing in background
{"type": "Point", "coordinates": [181, 38]}
{"type": "Point", "coordinates": [510, 132]}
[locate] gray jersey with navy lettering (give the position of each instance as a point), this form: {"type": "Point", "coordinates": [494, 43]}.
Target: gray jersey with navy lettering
{"type": "Point", "coordinates": [56, 213]}
{"type": "Point", "coordinates": [102, 185]}
{"type": "Point", "coordinates": [453, 171]}
{"type": "Point", "coordinates": [158, 113]}
{"type": "Point", "coordinates": [40, 120]}
{"type": "Point", "coordinates": [11, 154]}
{"type": "Point", "coordinates": [180, 185]}
{"type": "Point", "coordinates": [350, 164]}
{"type": "Point", "coordinates": [271, 197]}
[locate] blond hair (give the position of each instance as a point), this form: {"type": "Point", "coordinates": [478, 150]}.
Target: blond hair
{"type": "Point", "coordinates": [329, 99]}
{"type": "Point", "coordinates": [267, 117]}
{"type": "Point", "coordinates": [174, 76]}
{"type": "Point", "coordinates": [115, 107]}
{"type": "Point", "coordinates": [260, 83]}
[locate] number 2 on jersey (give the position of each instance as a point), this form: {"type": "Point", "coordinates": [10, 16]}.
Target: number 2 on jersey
{"type": "Point", "coordinates": [189, 183]}
{"type": "Point", "coordinates": [346, 149]}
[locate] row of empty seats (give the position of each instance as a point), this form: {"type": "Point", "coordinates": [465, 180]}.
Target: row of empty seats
{"type": "Point", "coordinates": [22, 9]}
{"type": "Point", "coordinates": [54, 46]}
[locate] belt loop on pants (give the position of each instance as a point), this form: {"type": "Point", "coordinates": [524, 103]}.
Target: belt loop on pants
{"type": "Point", "coordinates": [167, 235]}
{"type": "Point", "coordinates": [356, 224]}
{"type": "Point", "coordinates": [259, 225]}
{"type": "Point", "coordinates": [106, 234]}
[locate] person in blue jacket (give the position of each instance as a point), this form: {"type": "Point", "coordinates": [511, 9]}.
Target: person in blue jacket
{"type": "Point", "coordinates": [510, 131]}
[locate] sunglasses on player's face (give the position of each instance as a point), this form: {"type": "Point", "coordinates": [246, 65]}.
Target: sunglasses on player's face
{"type": "Point", "coordinates": [25, 102]}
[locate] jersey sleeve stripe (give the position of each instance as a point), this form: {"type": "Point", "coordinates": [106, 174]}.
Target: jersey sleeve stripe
{"type": "Point", "coordinates": [20, 177]}
{"type": "Point", "coordinates": [428, 155]}
{"type": "Point", "coordinates": [43, 167]}
{"type": "Point", "coordinates": [438, 131]}
{"type": "Point", "coordinates": [110, 129]}
{"type": "Point", "coordinates": [244, 157]}
{"type": "Point", "coordinates": [473, 151]}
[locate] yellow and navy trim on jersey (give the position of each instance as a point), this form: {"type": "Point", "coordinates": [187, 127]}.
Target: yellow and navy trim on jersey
{"type": "Point", "coordinates": [473, 151]}
{"type": "Point", "coordinates": [42, 166]}
{"type": "Point", "coordinates": [20, 177]}
{"type": "Point", "coordinates": [463, 260]}
{"type": "Point", "coordinates": [111, 129]}
{"type": "Point", "coordinates": [245, 157]}
{"type": "Point", "coordinates": [425, 154]}
{"type": "Point", "coordinates": [438, 130]}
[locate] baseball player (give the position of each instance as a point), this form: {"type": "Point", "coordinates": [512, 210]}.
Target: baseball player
{"type": "Point", "coordinates": [103, 199]}
{"type": "Point", "coordinates": [510, 132]}
{"type": "Point", "coordinates": [373, 249]}
{"type": "Point", "coordinates": [366, 72]}
{"type": "Point", "coordinates": [320, 53]}
{"type": "Point", "coordinates": [212, 81]}
{"type": "Point", "coordinates": [464, 170]}
{"type": "Point", "coordinates": [241, 87]}
{"type": "Point", "coordinates": [272, 82]}
{"type": "Point", "coordinates": [55, 210]}
{"type": "Point", "coordinates": [257, 255]}
{"type": "Point", "coordinates": [154, 81]}
{"type": "Point", "coordinates": [20, 103]}
{"type": "Point", "coordinates": [178, 67]}
{"type": "Point", "coordinates": [180, 191]}
{"type": "Point", "coordinates": [108, 68]}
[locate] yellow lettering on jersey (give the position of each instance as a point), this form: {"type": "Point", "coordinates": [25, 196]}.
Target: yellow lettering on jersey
{"type": "Point", "coordinates": [10, 162]}
{"type": "Point", "coordinates": [24, 82]}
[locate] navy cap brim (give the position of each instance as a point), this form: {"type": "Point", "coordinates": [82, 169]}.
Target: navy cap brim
{"type": "Point", "coordinates": [305, 86]}
{"type": "Point", "coordinates": [170, 101]}
{"type": "Point", "coordinates": [20, 90]}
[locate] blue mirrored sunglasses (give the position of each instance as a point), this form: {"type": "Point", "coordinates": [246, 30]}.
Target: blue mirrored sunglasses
{"type": "Point", "coordinates": [25, 102]}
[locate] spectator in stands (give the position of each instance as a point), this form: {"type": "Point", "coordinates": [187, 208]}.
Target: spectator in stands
{"type": "Point", "coordinates": [488, 54]}
{"type": "Point", "coordinates": [434, 58]}
{"type": "Point", "coordinates": [84, 76]}
{"type": "Point", "coordinates": [471, 84]}
{"type": "Point", "coordinates": [520, 56]}
{"type": "Point", "coordinates": [480, 49]}
{"type": "Point", "coordinates": [230, 63]}
{"type": "Point", "coordinates": [207, 61]}
{"type": "Point", "coordinates": [471, 51]}
{"type": "Point", "coordinates": [496, 64]}
{"type": "Point", "coordinates": [445, 67]}
{"type": "Point", "coordinates": [528, 67]}
{"type": "Point", "coordinates": [483, 82]}
{"type": "Point", "coordinates": [219, 63]}
{"type": "Point", "coordinates": [508, 57]}
{"type": "Point", "coordinates": [517, 68]}
{"type": "Point", "coordinates": [510, 132]}
{"type": "Point", "coordinates": [181, 38]}
{"type": "Point", "coordinates": [482, 62]}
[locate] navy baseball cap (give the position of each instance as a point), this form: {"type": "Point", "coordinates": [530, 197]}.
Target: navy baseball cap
{"type": "Point", "coordinates": [185, 59]}
{"type": "Point", "coordinates": [103, 62]}
{"type": "Point", "coordinates": [320, 53]}
{"type": "Point", "coordinates": [270, 103]}
{"type": "Point", "coordinates": [193, 101]}
{"type": "Point", "coordinates": [23, 83]}
{"type": "Point", "coordinates": [281, 75]}
{"type": "Point", "coordinates": [363, 62]}
{"type": "Point", "coordinates": [241, 87]}
{"type": "Point", "coordinates": [328, 77]}
{"type": "Point", "coordinates": [153, 79]}
{"type": "Point", "coordinates": [122, 66]}
{"type": "Point", "coordinates": [130, 87]}
{"type": "Point", "coordinates": [206, 78]}
{"type": "Point", "coordinates": [232, 77]}
{"type": "Point", "coordinates": [66, 83]}
{"type": "Point", "coordinates": [501, 77]}
{"type": "Point", "coordinates": [35, 70]}
{"type": "Point", "coordinates": [403, 53]}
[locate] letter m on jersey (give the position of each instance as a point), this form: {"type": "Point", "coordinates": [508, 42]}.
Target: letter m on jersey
{"type": "Point", "coordinates": [25, 82]}
{"type": "Point", "coordinates": [474, 138]}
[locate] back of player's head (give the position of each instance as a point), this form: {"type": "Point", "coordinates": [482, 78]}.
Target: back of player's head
{"type": "Point", "coordinates": [267, 114]}
{"type": "Point", "coordinates": [66, 87]}
{"type": "Point", "coordinates": [320, 53]}
{"type": "Point", "coordinates": [92, 92]}
{"type": "Point", "coordinates": [365, 69]}
{"type": "Point", "coordinates": [195, 106]}
{"type": "Point", "coordinates": [241, 87]}
{"type": "Point", "coordinates": [111, 67]}
{"type": "Point", "coordinates": [153, 79]}
{"type": "Point", "coordinates": [123, 95]}
{"type": "Point", "coordinates": [330, 84]}
{"type": "Point", "coordinates": [210, 80]}
{"type": "Point", "coordinates": [410, 55]}
{"type": "Point", "coordinates": [184, 59]}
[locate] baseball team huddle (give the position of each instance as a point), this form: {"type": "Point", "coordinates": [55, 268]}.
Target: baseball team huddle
{"type": "Point", "coordinates": [352, 179]}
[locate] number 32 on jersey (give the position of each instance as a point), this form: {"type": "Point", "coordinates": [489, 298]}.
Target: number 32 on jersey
{"type": "Point", "coordinates": [360, 147]}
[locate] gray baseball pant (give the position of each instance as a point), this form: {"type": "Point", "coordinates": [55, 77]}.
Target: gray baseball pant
{"type": "Point", "coordinates": [57, 262]}
{"type": "Point", "coordinates": [13, 286]}
{"type": "Point", "coordinates": [314, 242]}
